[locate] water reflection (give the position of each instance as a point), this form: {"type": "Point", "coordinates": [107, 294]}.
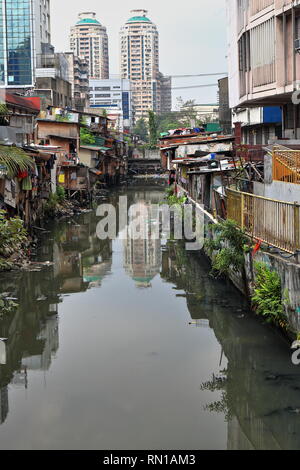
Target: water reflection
{"type": "Point", "coordinates": [260, 387]}
{"type": "Point", "coordinates": [242, 369]}
{"type": "Point", "coordinates": [142, 256]}
{"type": "Point", "coordinates": [78, 261]}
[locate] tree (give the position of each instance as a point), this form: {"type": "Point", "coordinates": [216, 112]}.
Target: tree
{"type": "Point", "coordinates": [167, 121]}
{"type": "Point", "coordinates": [141, 130]}
{"type": "Point", "coordinates": [13, 160]}
{"type": "Point", "coordinates": [152, 124]}
{"type": "Point", "coordinates": [86, 137]}
{"type": "Point", "coordinates": [188, 112]}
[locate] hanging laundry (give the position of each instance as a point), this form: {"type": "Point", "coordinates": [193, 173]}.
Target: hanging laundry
{"type": "Point", "coordinates": [27, 184]}
{"type": "Point", "coordinates": [61, 178]}
{"type": "Point", "coordinates": [22, 174]}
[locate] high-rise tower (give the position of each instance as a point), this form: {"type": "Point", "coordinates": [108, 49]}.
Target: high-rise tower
{"type": "Point", "coordinates": [89, 40]}
{"type": "Point", "coordinates": [24, 36]}
{"type": "Point", "coordinates": [140, 61]}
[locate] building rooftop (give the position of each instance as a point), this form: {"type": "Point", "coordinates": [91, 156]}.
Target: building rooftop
{"type": "Point", "coordinates": [88, 21]}
{"type": "Point", "coordinates": [32, 103]}
{"type": "Point", "coordinates": [139, 19]}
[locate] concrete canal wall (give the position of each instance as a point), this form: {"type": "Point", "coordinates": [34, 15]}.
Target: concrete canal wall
{"type": "Point", "coordinates": [288, 269]}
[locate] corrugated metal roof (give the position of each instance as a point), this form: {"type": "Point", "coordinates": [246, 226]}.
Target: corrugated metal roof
{"type": "Point", "coordinates": [33, 103]}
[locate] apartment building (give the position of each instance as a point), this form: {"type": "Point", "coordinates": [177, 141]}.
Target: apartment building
{"type": "Point", "coordinates": [89, 40]}
{"type": "Point", "coordinates": [24, 36]}
{"type": "Point", "coordinates": [165, 83]}
{"type": "Point", "coordinates": [115, 96]}
{"type": "Point", "coordinates": [78, 76]}
{"type": "Point", "coordinates": [139, 46]}
{"type": "Point", "coordinates": [264, 60]}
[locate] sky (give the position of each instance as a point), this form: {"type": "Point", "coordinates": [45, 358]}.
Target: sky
{"type": "Point", "coordinates": [192, 36]}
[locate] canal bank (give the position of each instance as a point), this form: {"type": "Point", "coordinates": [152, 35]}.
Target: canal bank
{"type": "Point", "coordinates": [254, 254]}
{"type": "Point", "coordinates": [125, 345]}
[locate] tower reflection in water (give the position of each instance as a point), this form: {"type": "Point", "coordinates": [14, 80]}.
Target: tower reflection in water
{"type": "Point", "coordinates": [79, 261]}
{"type": "Point", "coordinates": [142, 256]}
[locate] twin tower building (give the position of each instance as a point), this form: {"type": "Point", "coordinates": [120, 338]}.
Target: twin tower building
{"type": "Point", "coordinates": [139, 61]}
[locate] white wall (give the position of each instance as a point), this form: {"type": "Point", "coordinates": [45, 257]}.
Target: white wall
{"type": "Point", "coordinates": [288, 192]}
{"type": "Point", "coordinates": [232, 53]}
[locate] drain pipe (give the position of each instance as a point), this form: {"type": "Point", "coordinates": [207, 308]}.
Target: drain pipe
{"type": "Point", "coordinates": [284, 48]}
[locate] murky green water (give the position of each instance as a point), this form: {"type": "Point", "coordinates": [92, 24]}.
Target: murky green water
{"type": "Point", "coordinates": [133, 346]}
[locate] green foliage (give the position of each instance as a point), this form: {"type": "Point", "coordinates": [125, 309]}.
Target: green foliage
{"type": "Point", "coordinates": [13, 238]}
{"type": "Point", "coordinates": [174, 200]}
{"type": "Point", "coordinates": [60, 118]}
{"type": "Point", "coordinates": [51, 205]}
{"type": "Point", "coordinates": [4, 120]}
{"type": "Point", "coordinates": [86, 137]}
{"type": "Point", "coordinates": [267, 297]}
{"type": "Point", "coordinates": [83, 121]}
{"type": "Point", "coordinates": [230, 243]}
{"type": "Point", "coordinates": [141, 130]}
{"type": "Point", "coordinates": [54, 200]}
{"type": "Point", "coordinates": [6, 306]}
{"type": "Point", "coordinates": [61, 194]}
{"type": "Point", "coordinates": [218, 383]}
{"type": "Point", "coordinates": [15, 160]}
{"type": "Point", "coordinates": [188, 112]}
{"type": "Point", "coordinates": [153, 131]}
{"type": "Point", "coordinates": [168, 121]}
{"type": "Point", "coordinates": [3, 108]}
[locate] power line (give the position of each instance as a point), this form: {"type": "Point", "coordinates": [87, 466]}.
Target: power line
{"type": "Point", "coordinates": [193, 86]}
{"type": "Point", "coordinates": [197, 75]}
{"type": "Point", "coordinates": [181, 76]}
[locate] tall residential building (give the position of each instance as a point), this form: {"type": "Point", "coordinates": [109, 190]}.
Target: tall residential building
{"type": "Point", "coordinates": [264, 68]}
{"type": "Point", "coordinates": [113, 95]}
{"type": "Point", "coordinates": [225, 117]}
{"type": "Point", "coordinates": [89, 40]}
{"type": "Point", "coordinates": [24, 36]}
{"type": "Point", "coordinates": [78, 76]}
{"type": "Point", "coordinates": [165, 93]}
{"type": "Point", "coordinates": [140, 62]}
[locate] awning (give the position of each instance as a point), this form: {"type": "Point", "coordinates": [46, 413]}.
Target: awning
{"type": "Point", "coordinates": [91, 147]}
{"type": "Point", "coordinates": [169, 148]}
{"type": "Point", "coordinates": [95, 171]}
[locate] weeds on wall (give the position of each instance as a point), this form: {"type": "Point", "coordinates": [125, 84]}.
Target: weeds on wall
{"type": "Point", "coordinates": [55, 200]}
{"type": "Point", "coordinates": [7, 306]}
{"type": "Point", "coordinates": [267, 298]}
{"type": "Point", "coordinates": [13, 238]}
{"type": "Point", "coordinates": [227, 248]}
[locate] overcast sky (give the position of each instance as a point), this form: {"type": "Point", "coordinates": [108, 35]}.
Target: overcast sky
{"type": "Point", "coordinates": [192, 36]}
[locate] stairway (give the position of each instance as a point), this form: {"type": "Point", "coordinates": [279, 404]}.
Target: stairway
{"type": "Point", "coordinates": [286, 168]}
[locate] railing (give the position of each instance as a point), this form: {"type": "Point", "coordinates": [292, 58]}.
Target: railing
{"type": "Point", "coordinates": [220, 205]}
{"type": "Point", "coordinates": [258, 5]}
{"type": "Point", "coordinates": [286, 166]}
{"type": "Point", "coordinates": [274, 222]}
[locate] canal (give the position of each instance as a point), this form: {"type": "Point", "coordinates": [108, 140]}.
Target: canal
{"type": "Point", "coordinates": [128, 345]}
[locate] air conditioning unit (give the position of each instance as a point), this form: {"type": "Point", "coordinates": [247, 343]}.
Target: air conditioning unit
{"type": "Point", "coordinates": [297, 45]}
